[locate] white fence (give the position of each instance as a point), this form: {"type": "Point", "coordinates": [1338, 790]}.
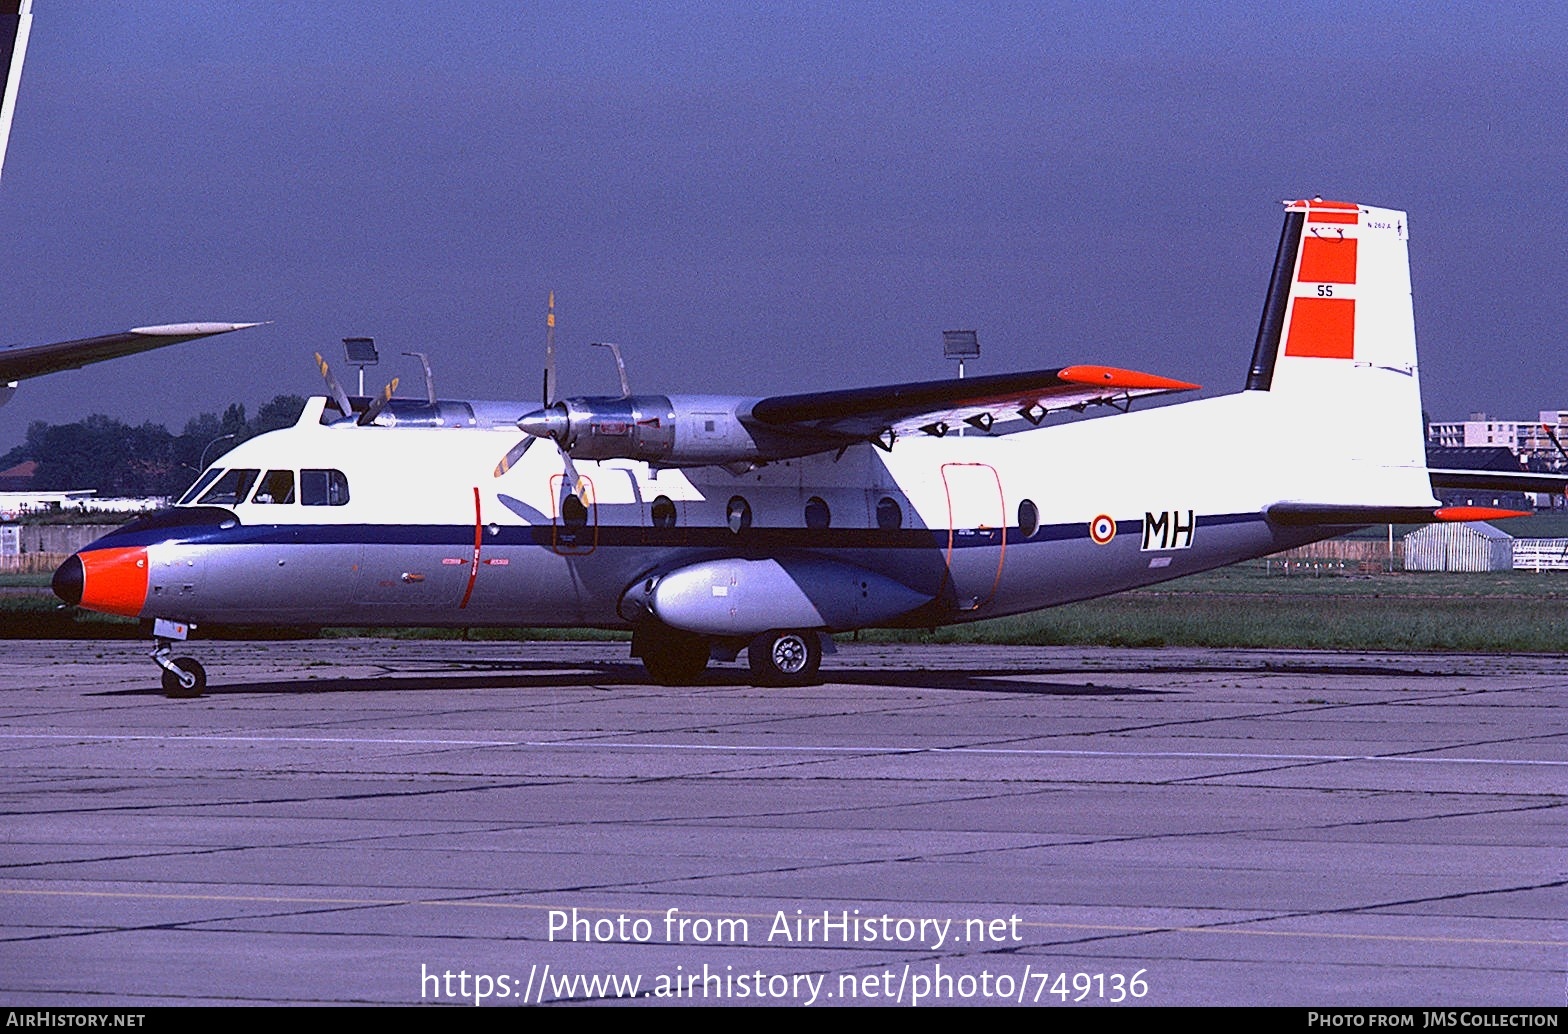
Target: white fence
{"type": "Point", "coordinates": [1541, 554]}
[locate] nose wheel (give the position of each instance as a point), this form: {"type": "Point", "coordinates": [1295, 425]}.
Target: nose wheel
{"type": "Point", "coordinates": [183, 677]}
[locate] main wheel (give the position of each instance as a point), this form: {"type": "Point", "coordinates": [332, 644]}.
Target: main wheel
{"type": "Point", "coordinates": [785, 658]}
{"type": "Point", "coordinates": [171, 681]}
{"type": "Point", "coordinates": [671, 657]}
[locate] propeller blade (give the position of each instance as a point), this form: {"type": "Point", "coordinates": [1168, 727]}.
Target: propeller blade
{"type": "Point", "coordinates": [333, 387]}
{"type": "Point", "coordinates": [549, 354]}
{"type": "Point", "coordinates": [1553, 436]}
{"type": "Point", "coordinates": [572, 483]}
{"type": "Point", "coordinates": [513, 454]}
{"type": "Point", "coordinates": [378, 404]}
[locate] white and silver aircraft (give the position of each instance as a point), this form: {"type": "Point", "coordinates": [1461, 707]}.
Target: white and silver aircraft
{"type": "Point", "coordinates": [16, 19]}
{"type": "Point", "coordinates": [713, 525]}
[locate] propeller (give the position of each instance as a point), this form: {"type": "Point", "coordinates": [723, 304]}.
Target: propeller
{"type": "Point", "coordinates": [377, 404]}
{"type": "Point", "coordinates": [554, 423]}
{"type": "Point", "coordinates": [333, 387]}
{"type": "Point", "coordinates": [549, 354]}
{"type": "Point", "coordinates": [341, 397]}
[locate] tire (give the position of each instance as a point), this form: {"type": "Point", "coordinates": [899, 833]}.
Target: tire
{"type": "Point", "coordinates": [671, 657]}
{"type": "Point", "coordinates": [171, 681]}
{"type": "Point", "coordinates": [785, 658]}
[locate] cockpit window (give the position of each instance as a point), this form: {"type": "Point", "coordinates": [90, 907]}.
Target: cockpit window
{"type": "Point", "coordinates": [231, 487]}
{"type": "Point", "coordinates": [201, 483]}
{"type": "Point", "coordinates": [323, 488]}
{"type": "Point", "coordinates": [276, 487]}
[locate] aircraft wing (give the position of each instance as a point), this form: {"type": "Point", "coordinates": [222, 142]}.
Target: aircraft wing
{"type": "Point", "coordinates": [935, 407]}
{"type": "Point", "coordinates": [34, 360]}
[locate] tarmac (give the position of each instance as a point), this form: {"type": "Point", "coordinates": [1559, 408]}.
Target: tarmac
{"type": "Point", "coordinates": [415, 822]}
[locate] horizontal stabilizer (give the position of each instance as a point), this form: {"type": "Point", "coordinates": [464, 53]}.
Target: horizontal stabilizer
{"type": "Point", "coordinates": [1333, 515]}
{"type": "Point", "coordinates": [1499, 481]}
{"type": "Point", "coordinates": [35, 360]}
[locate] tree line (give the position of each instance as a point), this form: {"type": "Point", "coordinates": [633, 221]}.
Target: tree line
{"type": "Point", "coordinates": [118, 459]}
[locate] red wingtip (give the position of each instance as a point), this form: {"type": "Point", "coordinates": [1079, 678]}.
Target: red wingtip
{"type": "Point", "coordinates": [1476, 513]}
{"type": "Point", "coordinates": [1111, 377]}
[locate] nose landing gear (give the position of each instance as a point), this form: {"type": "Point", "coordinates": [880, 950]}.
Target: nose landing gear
{"type": "Point", "coordinates": [183, 677]}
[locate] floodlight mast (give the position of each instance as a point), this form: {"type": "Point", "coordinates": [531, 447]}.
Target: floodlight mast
{"type": "Point", "coordinates": [960, 345]}
{"type": "Point", "coordinates": [361, 352]}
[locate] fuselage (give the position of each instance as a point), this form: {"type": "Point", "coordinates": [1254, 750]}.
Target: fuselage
{"type": "Point", "coordinates": [339, 524]}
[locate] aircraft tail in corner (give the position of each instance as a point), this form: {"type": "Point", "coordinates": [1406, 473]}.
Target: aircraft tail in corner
{"type": "Point", "coordinates": [16, 18]}
{"type": "Point", "coordinates": [1338, 338]}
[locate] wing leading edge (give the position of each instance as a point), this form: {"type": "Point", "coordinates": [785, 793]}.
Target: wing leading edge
{"type": "Point", "coordinates": [934, 407]}
{"type": "Point", "coordinates": [35, 360]}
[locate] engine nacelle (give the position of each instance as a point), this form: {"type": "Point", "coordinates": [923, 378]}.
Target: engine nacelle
{"type": "Point", "coordinates": [669, 430]}
{"type": "Point", "coordinates": [741, 598]}
{"type": "Point", "coordinates": [639, 427]}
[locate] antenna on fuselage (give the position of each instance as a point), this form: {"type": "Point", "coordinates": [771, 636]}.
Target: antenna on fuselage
{"type": "Point", "coordinates": [430, 380]}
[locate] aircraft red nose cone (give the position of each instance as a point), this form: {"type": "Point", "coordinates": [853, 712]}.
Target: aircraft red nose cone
{"type": "Point", "coordinates": [114, 580]}
{"type": "Point", "coordinates": [68, 580]}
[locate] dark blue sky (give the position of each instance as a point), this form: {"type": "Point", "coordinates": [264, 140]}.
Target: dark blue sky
{"type": "Point", "coordinates": [763, 198]}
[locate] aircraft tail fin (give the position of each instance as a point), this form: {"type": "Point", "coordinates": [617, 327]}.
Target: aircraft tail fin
{"type": "Point", "coordinates": [16, 19]}
{"type": "Point", "coordinates": [1337, 337]}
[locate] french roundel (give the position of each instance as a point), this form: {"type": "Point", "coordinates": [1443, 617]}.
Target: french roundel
{"type": "Point", "coordinates": [1102, 529]}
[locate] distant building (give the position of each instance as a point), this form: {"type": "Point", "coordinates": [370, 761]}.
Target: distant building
{"type": "Point", "coordinates": [1524, 438]}
{"type": "Point", "coordinates": [20, 505]}
{"type": "Point", "coordinates": [1470, 546]}
{"type": "Point", "coordinates": [18, 478]}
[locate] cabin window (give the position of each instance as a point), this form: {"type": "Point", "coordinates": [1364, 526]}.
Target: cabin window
{"type": "Point", "coordinates": [276, 487]}
{"type": "Point", "coordinates": [323, 488]}
{"type": "Point", "coordinates": [206, 479]}
{"type": "Point", "coordinates": [573, 513]}
{"type": "Point", "coordinates": [818, 516]}
{"type": "Point", "coordinates": [890, 516]}
{"type": "Point", "coordinates": [1028, 519]}
{"type": "Point", "coordinates": [738, 514]}
{"type": "Point", "coordinates": [663, 512]}
{"type": "Point", "coordinates": [231, 487]}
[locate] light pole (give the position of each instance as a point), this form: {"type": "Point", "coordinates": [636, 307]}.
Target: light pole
{"type": "Point", "coordinates": [201, 464]}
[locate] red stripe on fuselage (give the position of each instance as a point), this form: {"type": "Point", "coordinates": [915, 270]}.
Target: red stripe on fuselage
{"type": "Point", "coordinates": [473, 569]}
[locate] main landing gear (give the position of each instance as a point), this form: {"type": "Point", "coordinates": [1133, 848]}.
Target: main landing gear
{"type": "Point", "coordinates": [183, 677]}
{"type": "Point", "coordinates": [671, 657]}
{"type": "Point", "coordinates": [783, 657]}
